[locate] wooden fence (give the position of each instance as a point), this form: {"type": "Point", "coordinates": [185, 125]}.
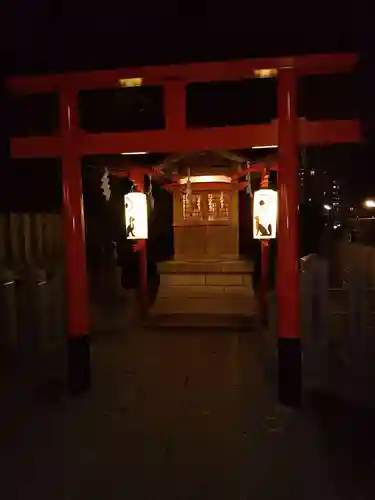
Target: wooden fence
{"type": "Point", "coordinates": [337, 324]}
{"type": "Point", "coordinates": [30, 240]}
{"type": "Point", "coordinates": [358, 257]}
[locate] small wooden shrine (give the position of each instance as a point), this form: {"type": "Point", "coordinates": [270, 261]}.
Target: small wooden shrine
{"type": "Point", "coordinates": [205, 209]}
{"type": "Point", "coordinates": [206, 276]}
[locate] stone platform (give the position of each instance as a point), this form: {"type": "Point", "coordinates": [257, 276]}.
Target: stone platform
{"type": "Point", "coordinates": [204, 292]}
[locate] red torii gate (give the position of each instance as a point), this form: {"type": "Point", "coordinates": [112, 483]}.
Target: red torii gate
{"type": "Point", "coordinates": [287, 131]}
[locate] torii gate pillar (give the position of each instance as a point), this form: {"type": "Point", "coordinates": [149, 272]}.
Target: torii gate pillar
{"type": "Point", "coordinates": [75, 247]}
{"type": "Point", "coordinates": [287, 284]}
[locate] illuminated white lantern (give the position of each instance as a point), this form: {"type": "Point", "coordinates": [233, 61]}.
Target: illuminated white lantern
{"type": "Point", "coordinates": [265, 214]}
{"type": "Point", "coordinates": [136, 216]}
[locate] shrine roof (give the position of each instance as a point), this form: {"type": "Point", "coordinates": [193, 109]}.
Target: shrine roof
{"type": "Point", "coordinates": [219, 158]}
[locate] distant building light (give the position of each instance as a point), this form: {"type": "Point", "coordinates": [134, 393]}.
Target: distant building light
{"type": "Point", "coordinates": [369, 203]}
{"type": "Point", "coordinates": [327, 207]}
{"type": "Point", "coordinates": [273, 146]}
{"type": "Point", "coordinates": [312, 172]}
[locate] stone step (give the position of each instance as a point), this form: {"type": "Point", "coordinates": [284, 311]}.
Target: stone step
{"type": "Point", "coordinates": [195, 291]}
{"type": "Point", "coordinates": [204, 305]}
{"type": "Point", "coordinates": [205, 267]}
{"type": "Point", "coordinates": [206, 321]}
{"type": "Point", "coordinates": [214, 279]}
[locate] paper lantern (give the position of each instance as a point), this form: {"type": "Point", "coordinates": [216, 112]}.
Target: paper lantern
{"type": "Point", "coordinates": [136, 216]}
{"type": "Point", "coordinates": [265, 214]}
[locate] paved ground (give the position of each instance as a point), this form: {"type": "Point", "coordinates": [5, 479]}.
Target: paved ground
{"type": "Point", "coordinates": [182, 415]}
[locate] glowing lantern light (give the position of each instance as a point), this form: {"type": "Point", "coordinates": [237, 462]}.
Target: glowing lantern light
{"type": "Point", "coordinates": [196, 179]}
{"type": "Point", "coordinates": [265, 73]}
{"type": "Point", "coordinates": [136, 216]}
{"type": "Point", "coordinates": [265, 214]}
{"type": "Point", "coordinates": [130, 82]}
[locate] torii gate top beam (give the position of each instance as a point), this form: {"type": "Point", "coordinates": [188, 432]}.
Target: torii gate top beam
{"type": "Point", "coordinates": [177, 136]}
{"type": "Point", "coordinates": [188, 73]}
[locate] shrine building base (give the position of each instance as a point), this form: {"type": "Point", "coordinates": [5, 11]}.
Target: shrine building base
{"type": "Point", "coordinates": [205, 293]}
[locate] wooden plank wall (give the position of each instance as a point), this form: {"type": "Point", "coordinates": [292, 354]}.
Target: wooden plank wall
{"type": "Point", "coordinates": [30, 240]}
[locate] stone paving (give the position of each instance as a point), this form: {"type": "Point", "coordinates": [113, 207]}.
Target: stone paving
{"type": "Point", "coordinates": [182, 415]}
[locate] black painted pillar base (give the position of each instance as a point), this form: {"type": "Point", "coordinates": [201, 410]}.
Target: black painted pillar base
{"type": "Point", "coordinates": [290, 372]}
{"type": "Point", "coordinates": [79, 361]}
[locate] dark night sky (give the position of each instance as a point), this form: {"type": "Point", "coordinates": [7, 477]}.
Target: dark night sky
{"type": "Point", "coordinates": [46, 35]}
{"type": "Point", "coordinates": [57, 35]}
